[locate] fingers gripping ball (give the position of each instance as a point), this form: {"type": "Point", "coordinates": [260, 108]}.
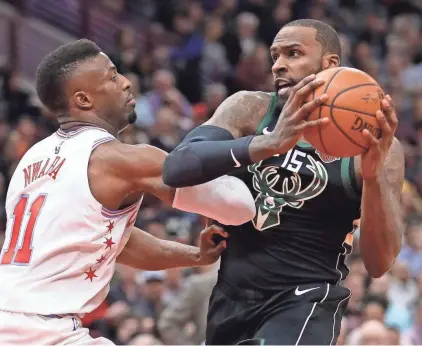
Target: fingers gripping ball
{"type": "Point", "coordinates": [353, 99]}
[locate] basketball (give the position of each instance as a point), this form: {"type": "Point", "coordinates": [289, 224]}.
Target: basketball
{"type": "Point", "coordinates": [353, 99]}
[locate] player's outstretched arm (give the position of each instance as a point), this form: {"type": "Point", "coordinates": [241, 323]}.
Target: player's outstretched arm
{"type": "Point", "coordinates": [218, 147]}
{"type": "Point", "coordinates": [382, 171]}
{"type": "Point", "coordinates": [122, 170]}
{"type": "Point", "coordinates": [144, 251]}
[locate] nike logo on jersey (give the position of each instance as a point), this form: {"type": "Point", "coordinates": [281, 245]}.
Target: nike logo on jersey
{"type": "Point", "coordinates": [265, 131]}
{"type": "Point", "coordinates": [236, 163]}
{"type": "Point", "coordinates": [299, 293]}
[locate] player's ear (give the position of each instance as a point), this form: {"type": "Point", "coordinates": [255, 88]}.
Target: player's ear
{"type": "Point", "coordinates": [330, 60]}
{"type": "Point", "coordinates": [82, 100]}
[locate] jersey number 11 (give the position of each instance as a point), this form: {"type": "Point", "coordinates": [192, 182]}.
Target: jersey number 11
{"type": "Point", "coordinates": [22, 255]}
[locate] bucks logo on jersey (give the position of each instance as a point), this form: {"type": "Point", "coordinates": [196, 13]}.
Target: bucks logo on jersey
{"type": "Point", "coordinates": [291, 192]}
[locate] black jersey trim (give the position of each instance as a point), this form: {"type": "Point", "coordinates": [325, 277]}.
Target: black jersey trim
{"type": "Point", "coordinates": [347, 178]}
{"type": "Point", "coordinates": [268, 115]}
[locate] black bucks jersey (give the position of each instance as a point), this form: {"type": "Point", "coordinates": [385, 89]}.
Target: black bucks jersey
{"type": "Point", "coordinates": [305, 206]}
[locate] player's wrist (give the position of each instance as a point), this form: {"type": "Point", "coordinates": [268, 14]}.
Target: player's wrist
{"type": "Point", "coordinates": [196, 256]}
{"type": "Point", "coordinates": [374, 180]}
{"type": "Point", "coordinates": [262, 147]}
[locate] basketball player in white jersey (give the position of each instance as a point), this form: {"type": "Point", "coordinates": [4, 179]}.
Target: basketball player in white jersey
{"type": "Point", "coordinates": [73, 200]}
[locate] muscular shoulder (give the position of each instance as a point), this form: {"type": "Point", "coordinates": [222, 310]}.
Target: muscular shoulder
{"type": "Point", "coordinates": [242, 112]}
{"type": "Point", "coordinates": [116, 170]}
{"type": "Point", "coordinates": [118, 156]}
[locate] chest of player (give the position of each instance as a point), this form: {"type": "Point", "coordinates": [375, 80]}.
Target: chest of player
{"type": "Point", "coordinates": [302, 180]}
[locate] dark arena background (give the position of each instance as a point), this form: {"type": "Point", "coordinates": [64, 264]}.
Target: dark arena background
{"type": "Point", "coordinates": [184, 57]}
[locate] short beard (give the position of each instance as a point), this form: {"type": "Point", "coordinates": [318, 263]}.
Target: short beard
{"type": "Point", "coordinates": [132, 117]}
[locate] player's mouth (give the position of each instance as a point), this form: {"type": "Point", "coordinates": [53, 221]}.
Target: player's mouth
{"type": "Point", "coordinates": [283, 87]}
{"type": "Point", "coordinates": [131, 100]}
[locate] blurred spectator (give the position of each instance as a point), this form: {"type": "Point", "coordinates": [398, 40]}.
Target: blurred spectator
{"type": "Point", "coordinates": [253, 68]}
{"type": "Point", "coordinates": [403, 289]}
{"type": "Point", "coordinates": [356, 284]}
{"type": "Point", "coordinates": [146, 340]}
{"type": "Point", "coordinates": [174, 283]}
{"type": "Point", "coordinates": [243, 40]}
{"type": "Point", "coordinates": [125, 54]}
{"type": "Point", "coordinates": [186, 55]}
{"type": "Point", "coordinates": [183, 322]}
{"type": "Point", "coordinates": [411, 251]}
{"type": "Point", "coordinates": [214, 65]}
{"type": "Point", "coordinates": [372, 333]}
{"type": "Point", "coordinates": [274, 20]}
{"type": "Point", "coordinates": [164, 93]}
{"type": "Point", "coordinates": [128, 327]}
{"type": "Point", "coordinates": [166, 134]}
{"type": "Point", "coordinates": [415, 332]}
{"type": "Point", "coordinates": [373, 310]}
{"type": "Point", "coordinates": [215, 94]}
{"type": "Point", "coordinates": [151, 300]}
{"type": "Point", "coordinates": [17, 98]}
{"type": "Point", "coordinates": [125, 287]}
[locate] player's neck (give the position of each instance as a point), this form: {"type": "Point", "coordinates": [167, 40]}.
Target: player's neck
{"type": "Point", "coordinates": [72, 125]}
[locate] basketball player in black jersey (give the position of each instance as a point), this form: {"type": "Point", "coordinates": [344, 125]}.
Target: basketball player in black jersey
{"type": "Point", "coordinates": [280, 277]}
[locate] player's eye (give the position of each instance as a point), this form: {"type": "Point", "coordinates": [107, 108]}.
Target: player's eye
{"type": "Point", "coordinates": [294, 53]}
{"type": "Point", "coordinates": [275, 57]}
{"type": "Point", "coordinates": [114, 77]}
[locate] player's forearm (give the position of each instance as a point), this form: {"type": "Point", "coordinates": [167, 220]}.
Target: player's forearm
{"type": "Point", "coordinates": [381, 227]}
{"type": "Point", "coordinates": [144, 251]}
{"type": "Point", "coordinates": [173, 255]}
{"type": "Point", "coordinates": [207, 154]}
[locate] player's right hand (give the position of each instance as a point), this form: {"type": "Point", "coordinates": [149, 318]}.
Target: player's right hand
{"type": "Point", "coordinates": [208, 249]}
{"type": "Point", "coordinates": [293, 118]}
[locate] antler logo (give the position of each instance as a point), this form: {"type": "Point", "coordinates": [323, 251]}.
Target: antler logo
{"type": "Point", "coordinates": [270, 202]}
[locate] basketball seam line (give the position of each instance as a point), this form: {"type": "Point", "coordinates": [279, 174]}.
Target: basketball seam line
{"type": "Point", "coordinates": [333, 119]}
{"type": "Point", "coordinates": [349, 110]}
{"type": "Point", "coordinates": [320, 110]}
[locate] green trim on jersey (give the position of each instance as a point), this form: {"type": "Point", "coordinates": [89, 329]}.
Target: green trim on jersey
{"type": "Point", "coordinates": [268, 115]}
{"type": "Point", "coordinates": [347, 177]}
{"type": "Point", "coordinates": [303, 144]}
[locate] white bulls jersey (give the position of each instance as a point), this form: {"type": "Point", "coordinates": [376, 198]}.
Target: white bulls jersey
{"type": "Point", "coordinates": [61, 245]}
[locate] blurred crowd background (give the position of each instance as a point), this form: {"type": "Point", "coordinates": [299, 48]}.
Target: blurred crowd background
{"type": "Point", "coordinates": [184, 57]}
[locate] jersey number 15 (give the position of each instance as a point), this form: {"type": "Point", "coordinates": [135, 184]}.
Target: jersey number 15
{"type": "Point", "coordinates": [11, 253]}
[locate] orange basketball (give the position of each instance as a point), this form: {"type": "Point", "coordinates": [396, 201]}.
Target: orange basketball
{"type": "Point", "coordinates": [353, 99]}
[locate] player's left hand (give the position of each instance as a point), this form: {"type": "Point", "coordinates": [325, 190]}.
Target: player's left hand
{"type": "Point", "coordinates": [208, 250]}
{"type": "Point", "coordinates": [372, 162]}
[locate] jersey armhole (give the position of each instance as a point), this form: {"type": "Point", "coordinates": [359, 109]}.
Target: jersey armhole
{"type": "Point", "coordinates": [268, 115]}
{"type": "Point", "coordinates": [348, 178]}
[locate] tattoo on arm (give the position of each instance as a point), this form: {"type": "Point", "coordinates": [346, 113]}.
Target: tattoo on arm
{"type": "Point", "coordinates": [394, 169]}
{"type": "Point", "coordinates": [241, 112]}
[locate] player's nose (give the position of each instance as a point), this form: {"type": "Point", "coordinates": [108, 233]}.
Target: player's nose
{"type": "Point", "coordinates": [126, 83]}
{"type": "Point", "coordinates": [279, 67]}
